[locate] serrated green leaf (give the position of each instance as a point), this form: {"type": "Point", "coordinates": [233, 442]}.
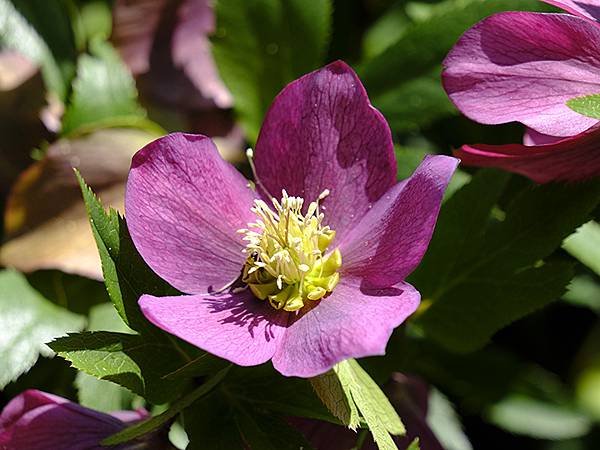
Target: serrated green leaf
{"type": "Point", "coordinates": [584, 291]}
{"type": "Point", "coordinates": [126, 275]}
{"type": "Point", "coordinates": [260, 46]}
{"type": "Point", "coordinates": [458, 235]}
{"type": "Point", "coordinates": [28, 321]}
{"type": "Point", "coordinates": [584, 245]}
{"type": "Point", "coordinates": [210, 423]}
{"type": "Point", "coordinates": [16, 33]}
{"type": "Point", "coordinates": [95, 393]}
{"type": "Point", "coordinates": [129, 360]}
{"type": "Point", "coordinates": [155, 422]}
{"type": "Point", "coordinates": [588, 105]}
{"type": "Point", "coordinates": [266, 389]}
{"type": "Point", "coordinates": [203, 364]}
{"type": "Point", "coordinates": [104, 93]}
{"type": "Point", "coordinates": [337, 398]}
{"type": "Point", "coordinates": [360, 389]}
{"type": "Point", "coordinates": [225, 421]}
{"type": "Point", "coordinates": [414, 445]}
{"type": "Point", "coordinates": [491, 272]}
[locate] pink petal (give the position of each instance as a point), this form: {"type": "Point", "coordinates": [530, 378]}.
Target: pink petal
{"type": "Point", "coordinates": [532, 137]}
{"type": "Point", "coordinates": [589, 9]}
{"type": "Point", "coordinates": [519, 66]}
{"type": "Point", "coordinates": [183, 205]}
{"type": "Point", "coordinates": [392, 238]}
{"type": "Point", "coordinates": [236, 327]}
{"type": "Point", "coordinates": [322, 133]}
{"type": "Point", "coordinates": [352, 322]}
{"type": "Point", "coordinates": [570, 159]}
{"type": "Point", "coordinates": [35, 420]}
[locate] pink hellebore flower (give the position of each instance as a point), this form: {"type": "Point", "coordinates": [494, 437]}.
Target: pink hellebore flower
{"type": "Point", "coordinates": [305, 286]}
{"type": "Point", "coordinates": [35, 420]}
{"type": "Point", "coordinates": [522, 66]}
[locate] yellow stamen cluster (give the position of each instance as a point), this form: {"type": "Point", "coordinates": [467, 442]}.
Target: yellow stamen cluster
{"type": "Point", "coordinates": [287, 261]}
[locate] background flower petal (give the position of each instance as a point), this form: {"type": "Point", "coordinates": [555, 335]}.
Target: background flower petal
{"type": "Point", "coordinates": [353, 322]}
{"type": "Point", "coordinates": [589, 9]}
{"type": "Point", "coordinates": [167, 44]}
{"type": "Point", "coordinates": [236, 327]}
{"type": "Point", "coordinates": [571, 159]}
{"type": "Point", "coordinates": [183, 205]}
{"type": "Point", "coordinates": [532, 137]}
{"type": "Point", "coordinates": [500, 71]}
{"type": "Point", "coordinates": [392, 238]}
{"type": "Point", "coordinates": [322, 133]}
{"type": "Point", "coordinates": [35, 420]}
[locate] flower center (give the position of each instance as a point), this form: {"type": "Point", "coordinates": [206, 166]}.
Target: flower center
{"type": "Point", "coordinates": [287, 253]}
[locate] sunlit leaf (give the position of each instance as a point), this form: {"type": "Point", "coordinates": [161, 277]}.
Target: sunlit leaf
{"type": "Point", "coordinates": [104, 94]}
{"type": "Point", "coordinates": [588, 105]}
{"type": "Point", "coordinates": [129, 360]}
{"type": "Point", "coordinates": [28, 321]}
{"type": "Point", "coordinates": [584, 245]}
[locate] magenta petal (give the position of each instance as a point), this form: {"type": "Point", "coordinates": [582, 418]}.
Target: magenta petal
{"type": "Point", "coordinates": [392, 238]}
{"type": "Point", "coordinates": [322, 133]}
{"type": "Point", "coordinates": [352, 322]}
{"type": "Point", "coordinates": [570, 159]}
{"type": "Point", "coordinates": [532, 137]}
{"type": "Point", "coordinates": [183, 205]}
{"type": "Point", "coordinates": [589, 9]}
{"type": "Point", "coordinates": [236, 327]}
{"type": "Point", "coordinates": [523, 67]}
{"type": "Point", "coordinates": [35, 420]}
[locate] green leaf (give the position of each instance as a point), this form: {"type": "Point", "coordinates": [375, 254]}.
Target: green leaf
{"type": "Point", "coordinates": [415, 104]}
{"type": "Point", "coordinates": [408, 159]}
{"type": "Point", "coordinates": [261, 45]}
{"type": "Point", "coordinates": [104, 94]}
{"type": "Point", "coordinates": [375, 408]}
{"type": "Point", "coordinates": [403, 80]}
{"type": "Point", "coordinates": [95, 393]}
{"type": "Point", "coordinates": [414, 445]}
{"type": "Point", "coordinates": [129, 360]}
{"type": "Point", "coordinates": [126, 275]}
{"type": "Point", "coordinates": [266, 389]}
{"type": "Point", "coordinates": [28, 321]}
{"type": "Point", "coordinates": [584, 291]}
{"type": "Point", "coordinates": [224, 421]}
{"type": "Point", "coordinates": [541, 420]}
{"type": "Point", "coordinates": [16, 33]}
{"type": "Point", "coordinates": [155, 422]}
{"type": "Point", "coordinates": [489, 273]}
{"type": "Point", "coordinates": [445, 423]}
{"type": "Point", "coordinates": [588, 105]}
{"type": "Point", "coordinates": [337, 398]}
{"type": "Point", "coordinates": [584, 245]}
{"type": "Point", "coordinates": [210, 423]}
{"type": "Point", "coordinates": [355, 392]}
{"type": "Point", "coordinates": [424, 44]}
{"type": "Point", "coordinates": [51, 22]}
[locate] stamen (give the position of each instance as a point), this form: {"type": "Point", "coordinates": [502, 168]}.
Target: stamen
{"type": "Point", "coordinates": [288, 260]}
